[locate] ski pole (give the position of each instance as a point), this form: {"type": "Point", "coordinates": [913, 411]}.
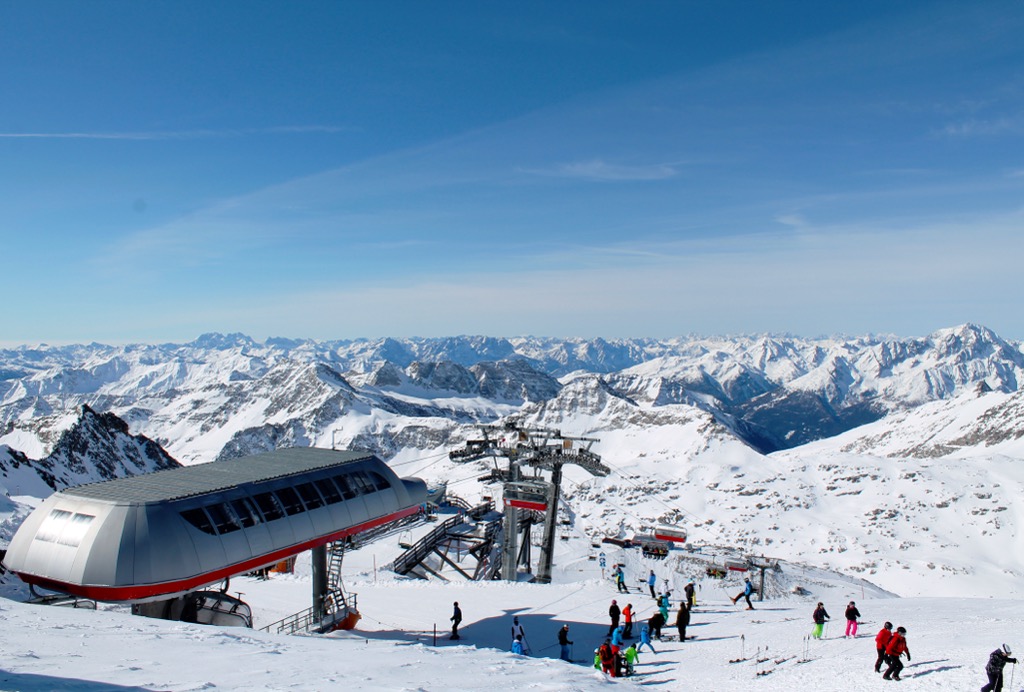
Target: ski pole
{"type": "Point", "coordinates": [1012, 671]}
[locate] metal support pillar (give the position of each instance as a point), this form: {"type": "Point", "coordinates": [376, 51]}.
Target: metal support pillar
{"type": "Point", "coordinates": [547, 546]}
{"type": "Point", "coordinates": [319, 558]}
{"type": "Point", "coordinates": [509, 548]}
{"type": "Point", "coordinates": [509, 551]}
{"type": "Point", "coordinates": [525, 557]}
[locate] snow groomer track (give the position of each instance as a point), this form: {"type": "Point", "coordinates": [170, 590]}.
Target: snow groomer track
{"type": "Point", "coordinates": [167, 533]}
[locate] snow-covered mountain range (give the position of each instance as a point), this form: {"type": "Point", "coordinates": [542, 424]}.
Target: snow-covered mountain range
{"type": "Point", "coordinates": [893, 459]}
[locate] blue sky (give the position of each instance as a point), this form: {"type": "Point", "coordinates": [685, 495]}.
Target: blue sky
{"type": "Point", "coordinates": [350, 169]}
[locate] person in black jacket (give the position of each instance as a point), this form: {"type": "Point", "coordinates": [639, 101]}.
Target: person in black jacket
{"type": "Point", "coordinates": [613, 613]}
{"type": "Point", "coordinates": [682, 620]}
{"type": "Point", "coordinates": [852, 614]}
{"type": "Point", "coordinates": [456, 618]}
{"type": "Point", "coordinates": [564, 642]}
{"type": "Point", "coordinates": [819, 616]}
{"type": "Point", "coordinates": [656, 622]}
{"type": "Point", "coordinates": [996, 660]}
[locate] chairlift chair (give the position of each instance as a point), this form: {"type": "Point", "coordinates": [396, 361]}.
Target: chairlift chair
{"type": "Point", "coordinates": [527, 495]}
{"type": "Point", "coordinates": [672, 534]}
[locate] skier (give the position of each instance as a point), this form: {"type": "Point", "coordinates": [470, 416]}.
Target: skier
{"type": "Point", "coordinates": [882, 641]}
{"type": "Point", "coordinates": [517, 645]}
{"type": "Point", "coordinates": [748, 589]}
{"type": "Point", "coordinates": [994, 668]}
{"type": "Point", "coordinates": [456, 618]}
{"type": "Point", "coordinates": [517, 629]}
{"type": "Point", "coordinates": [627, 616]}
{"type": "Point", "coordinates": [819, 616]}
{"type": "Point", "coordinates": [620, 579]}
{"type": "Point", "coordinates": [691, 594]}
{"type": "Point", "coordinates": [682, 620]}
{"type": "Point", "coordinates": [613, 613]}
{"type": "Point", "coordinates": [632, 658]}
{"type": "Point", "coordinates": [564, 642]}
{"type": "Point", "coordinates": [645, 638]}
{"type": "Point", "coordinates": [656, 622]}
{"type": "Point", "coordinates": [851, 619]}
{"type": "Point", "coordinates": [663, 607]}
{"type": "Point", "coordinates": [607, 658]}
{"type": "Point", "coordinates": [896, 647]}
{"type": "Point", "coordinates": [617, 638]}
{"type": "Point", "coordinates": [651, 581]}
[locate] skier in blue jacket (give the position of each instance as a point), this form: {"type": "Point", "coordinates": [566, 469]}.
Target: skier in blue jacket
{"type": "Point", "coordinates": [645, 638]}
{"type": "Point", "coordinates": [748, 589]}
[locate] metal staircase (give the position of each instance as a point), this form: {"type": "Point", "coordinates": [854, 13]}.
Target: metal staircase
{"type": "Point", "coordinates": [444, 536]}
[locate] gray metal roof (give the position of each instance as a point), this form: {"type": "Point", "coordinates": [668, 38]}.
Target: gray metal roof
{"type": "Point", "coordinates": [203, 479]}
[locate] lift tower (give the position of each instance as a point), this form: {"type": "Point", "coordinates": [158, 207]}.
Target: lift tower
{"type": "Point", "coordinates": [540, 449]}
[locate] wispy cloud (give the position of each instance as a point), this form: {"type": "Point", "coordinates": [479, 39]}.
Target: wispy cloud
{"type": "Point", "coordinates": [977, 127]}
{"type": "Point", "coordinates": [180, 134]}
{"type": "Point", "coordinates": [599, 170]}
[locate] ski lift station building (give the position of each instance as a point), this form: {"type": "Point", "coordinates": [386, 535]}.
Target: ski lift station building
{"type": "Point", "coordinates": [167, 533]}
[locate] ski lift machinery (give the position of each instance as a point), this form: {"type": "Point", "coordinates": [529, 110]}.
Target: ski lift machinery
{"type": "Point", "coordinates": [542, 450]}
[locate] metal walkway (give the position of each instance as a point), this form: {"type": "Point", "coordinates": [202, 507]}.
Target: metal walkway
{"type": "Point", "coordinates": [478, 543]}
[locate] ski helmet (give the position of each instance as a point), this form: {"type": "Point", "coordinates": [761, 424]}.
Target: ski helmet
{"type": "Point", "coordinates": [888, 625]}
{"type": "Point", "coordinates": [1006, 649]}
{"type": "Point", "coordinates": [901, 630]}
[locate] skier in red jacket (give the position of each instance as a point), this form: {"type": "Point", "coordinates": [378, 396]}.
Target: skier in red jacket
{"type": "Point", "coordinates": [897, 647]}
{"type": "Point", "coordinates": [882, 641]}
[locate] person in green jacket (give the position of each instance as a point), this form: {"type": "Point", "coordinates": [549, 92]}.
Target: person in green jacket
{"type": "Point", "coordinates": [632, 658]}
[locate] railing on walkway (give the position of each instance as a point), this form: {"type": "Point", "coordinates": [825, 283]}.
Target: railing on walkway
{"type": "Point", "coordinates": [423, 547]}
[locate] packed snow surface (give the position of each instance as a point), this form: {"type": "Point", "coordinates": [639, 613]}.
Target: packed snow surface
{"type": "Point", "coordinates": [395, 648]}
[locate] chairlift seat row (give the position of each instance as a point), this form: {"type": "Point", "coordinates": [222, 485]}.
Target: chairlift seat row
{"type": "Point", "coordinates": [527, 495]}
{"type": "Point", "coordinates": [673, 534]}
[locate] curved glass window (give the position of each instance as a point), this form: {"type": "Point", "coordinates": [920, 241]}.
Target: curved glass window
{"type": "Point", "coordinates": [290, 501]}
{"type": "Point", "coordinates": [310, 497]}
{"type": "Point", "coordinates": [347, 490]}
{"type": "Point", "coordinates": [198, 518]}
{"type": "Point", "coordinates": [269, 505]}
{"type": "Point", "coordinates": [328, 490]}
{"type": "Point", "coordinates": [223, 519]}
{"type": "Point", "coordinates": [379, 481]}
{"type": "Point", "coordinates": [64, 528]}
{"type": "Point", "coordinates": [246, 512]}
{"type": "Point", "coordinates": [362, 483]}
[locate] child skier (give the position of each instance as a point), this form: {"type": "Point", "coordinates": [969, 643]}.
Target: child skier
{"type": "Point", "coordinates": [820, 616]}
{"type": "Point", "coordinates": [851, 619]}
{"type": "Point", "coordinates": [897, 647]}
{"type": "Point", "coordinates": [645, 638]}
{"type": "Point", "coordinates": [882, 641]}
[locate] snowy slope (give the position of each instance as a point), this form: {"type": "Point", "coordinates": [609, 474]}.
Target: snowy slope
{"type": "Point", "coordinates": [394, 648]}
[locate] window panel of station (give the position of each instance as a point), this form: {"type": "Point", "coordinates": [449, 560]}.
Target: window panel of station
{"type": "Point", "coordinates": [310, 497]}
{"type": "Point", "coordinates": [245, 512]}
{"type": "Point", "coordinates": [290, 499]}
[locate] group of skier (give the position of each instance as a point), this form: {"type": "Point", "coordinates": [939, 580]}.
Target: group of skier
{"type": "Point", "coordinates": [613, 659]}
{"type": "Point", "coordinates": [890, 646]}
{"type": "Point", "coordinates": [613, 656]}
